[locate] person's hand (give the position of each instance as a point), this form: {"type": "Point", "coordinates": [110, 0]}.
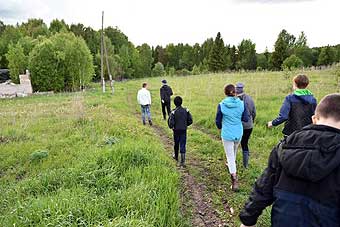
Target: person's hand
{"type": "Point", "coordinates": [247, 225]}
{"type": "Point", "coordinates": [270, 124]}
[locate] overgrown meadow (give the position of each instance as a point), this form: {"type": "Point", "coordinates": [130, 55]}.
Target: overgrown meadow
{"type": "Point", "coordinates": [85, 158]}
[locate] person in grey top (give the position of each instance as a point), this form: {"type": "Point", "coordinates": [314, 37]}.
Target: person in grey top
{"type": "Point", "coordinates": [247, 126]}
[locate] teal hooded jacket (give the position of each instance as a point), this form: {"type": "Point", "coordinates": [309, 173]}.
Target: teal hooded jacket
{"type": "Point", "coordinates": [230, 114]}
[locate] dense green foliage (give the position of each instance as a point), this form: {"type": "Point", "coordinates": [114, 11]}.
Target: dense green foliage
{"type": "Point", "coordinates": [62, 62]}
{"type": "Point", "coordinates": [129, 61]}
{"type": "Point", "coordinates": [216, 60]}
{"type": "Point", "coordinates": [17, 61]}
{"type": "Point", "coordinates": [292, 62]}
{"type": "Point", "coordinates": [158, 70]}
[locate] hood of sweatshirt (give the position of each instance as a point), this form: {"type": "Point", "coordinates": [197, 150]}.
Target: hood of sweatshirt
{"type": "Point", "coordinates": [231, 102]}
{"type": "Point", "coordinates": [311, 153]}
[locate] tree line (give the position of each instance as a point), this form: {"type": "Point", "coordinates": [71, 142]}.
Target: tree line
{"type": "Point", "coordinates": [35, 45]}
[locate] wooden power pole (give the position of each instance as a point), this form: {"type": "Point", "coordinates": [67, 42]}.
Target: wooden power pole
{"type": "Point", "coordinates": [102, 54]}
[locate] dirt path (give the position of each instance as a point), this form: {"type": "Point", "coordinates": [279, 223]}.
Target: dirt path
{"type": "Point", "coordinates": [204, 214]}
{"type": "Point", "coordinates": [195, 198]}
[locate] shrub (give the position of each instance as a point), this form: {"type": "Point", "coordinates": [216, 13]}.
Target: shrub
{"type": "Point", "coordinates": [183, 72]}
{"type": "Point", "coordinates": [292, 62]}
{"type": "Point", "coordinates": [62, 62]}
{"type": "Point", "coordinates": [158, 70]}
{"type": "Point", "coordinates": [38, 155]}
{"type": "Point", "coordinates": [195, 70]}
{"type": "Point", "coordinates": [17, 61]}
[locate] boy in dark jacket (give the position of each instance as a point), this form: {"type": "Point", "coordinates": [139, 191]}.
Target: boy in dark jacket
{"type": "Point", "coordinates": [180, 118]}
{"type": "Point", "coordinates": [165, 93]}
{"type": "Point", "coordinates": [297, 109]}
{"type": "Point", "coordinates": [302, 179]}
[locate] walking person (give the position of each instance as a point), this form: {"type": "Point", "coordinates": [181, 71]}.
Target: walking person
{"type": "Point", "coordinates": [297, 109]}
{"type": "Point", "coordinates": [144, 100]}
{"type": "Point", "coordinates": [179, 120]}
{"type": "Point", "coordinates": [165, 93]}
{"type": "Point", "coordinates": [247, 126]}
{"type": "Point", "coordinates": [229, 116]}
{"type": "Point", "coordinates": [302, 180]}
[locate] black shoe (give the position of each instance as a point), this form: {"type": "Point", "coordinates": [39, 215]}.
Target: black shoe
{"type": "Point", "coordinates": [143, 122]}
{"type": "Point", "coordinates": [174, 157]}
{"type": "Point", "coordinates": [150, 122]}
{"type": "Point", "coordinates": [183, 160]}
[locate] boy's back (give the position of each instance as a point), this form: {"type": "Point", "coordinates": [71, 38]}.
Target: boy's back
{"type": "Point", "coordinates": [180, 119]}
{"type": "Point", "coordinates": [302, 179]}
{"type": "Point", "coordinates": [296, 111]}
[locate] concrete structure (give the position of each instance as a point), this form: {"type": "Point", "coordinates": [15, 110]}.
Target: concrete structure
{"type": "Point", "coordinates": [10, 90]}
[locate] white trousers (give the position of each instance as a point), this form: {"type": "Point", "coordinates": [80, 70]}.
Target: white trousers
{"type": "Point", "coordinates": [230, 148]}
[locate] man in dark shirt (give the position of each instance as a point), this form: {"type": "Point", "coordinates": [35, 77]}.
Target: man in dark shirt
{"type": "Point", "coordinates": [165, 93]}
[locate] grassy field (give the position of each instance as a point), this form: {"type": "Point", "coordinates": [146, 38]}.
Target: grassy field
{"type": "Point", "coordinates": [86, 159]}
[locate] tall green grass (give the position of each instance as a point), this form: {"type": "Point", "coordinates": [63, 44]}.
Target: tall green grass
{"type": "Point", "coordinates": [201, 94]}
{"type": "Point", "coordinates": [85, 159]}
{"type": "Point", "coordinates": [81, 160]}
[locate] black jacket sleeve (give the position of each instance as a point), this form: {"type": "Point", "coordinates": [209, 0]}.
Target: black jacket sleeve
{"type": "Point", "coordinates": [189, 118]}
{"type": "Point", "coordinates": [262, 194]}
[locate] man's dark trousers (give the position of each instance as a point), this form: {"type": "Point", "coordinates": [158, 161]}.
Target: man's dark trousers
{"type": "Point", "coordinates": [168, 108]}
{"type": "Point", "coordinates": [180, 139]}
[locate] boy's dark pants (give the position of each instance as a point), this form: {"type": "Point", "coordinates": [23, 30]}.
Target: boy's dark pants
{"type": "Point", "coordinates": [166, 105]}
{"type": "Point", "coordinates": [180, 139]}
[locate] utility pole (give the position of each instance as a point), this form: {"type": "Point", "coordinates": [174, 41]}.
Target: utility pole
{"type": "Point", "coordinates": [108, 67]}
{"type": "Point", "coordinates": [102, 55]}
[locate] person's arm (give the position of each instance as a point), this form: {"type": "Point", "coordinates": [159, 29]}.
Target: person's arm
{"type": "Point", "coordinates": [262, 194]}
{"type": "Point", "coordinates": [189, 118]}
{"type": "Point", "coordinates": [160, 94]}
{"type": "Point", "coordinates": [219, 116]}
{"type": "Point", "coordinates": [149, 97]}
{"type": "Point", "coordinates": [170, 92]}
{"type": "Point", "coordinates": [171, 120]}
{"type": "Point", "coordinates": [253, 109]}
{"type": "Point", "coordinates": [284, 112]}
{"type": "Point", "coordinates": [245, 114]}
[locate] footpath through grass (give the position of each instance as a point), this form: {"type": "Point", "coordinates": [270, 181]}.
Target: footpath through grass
{"type": "Point", "coordinates": [82, 159]}
{"type": "Point", "coordinates": [85, 158]}
{"type": "Point", "coordinates": [201, 95]}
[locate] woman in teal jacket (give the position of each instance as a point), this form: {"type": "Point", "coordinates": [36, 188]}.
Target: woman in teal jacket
{"type": "Point", "coordinates": [230, 114]}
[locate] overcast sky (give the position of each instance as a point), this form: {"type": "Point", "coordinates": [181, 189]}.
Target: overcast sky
{"type": "Point", "coordinates": [159, 22]}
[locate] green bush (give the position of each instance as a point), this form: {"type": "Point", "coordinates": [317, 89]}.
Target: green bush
{"type": "Point", "coordinates": [195, 70]}
{"type": "Point", "coordinates": [158, 70]}
{"type": "Point", "coordinates": [38, 155]}
{"type": "Point", "coordinates": [292, 62]}
{"type": "Point", "coordinates": [62, 62]}
{"type": "Point", "coordinates": [17, 61]}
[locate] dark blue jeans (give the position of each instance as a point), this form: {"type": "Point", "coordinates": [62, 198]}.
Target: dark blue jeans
{"type": "Point", "coordinates": [180, 139]}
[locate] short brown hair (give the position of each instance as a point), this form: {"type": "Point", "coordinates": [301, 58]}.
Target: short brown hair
{"type": "Point", "coordinates": [144, 84]}
{"type": "Point", "coordinates": [329, 107]}
{"type": "Point", "coordinates": [229, 90]}
{"type": "Point", "coordinates": [301, 81]}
